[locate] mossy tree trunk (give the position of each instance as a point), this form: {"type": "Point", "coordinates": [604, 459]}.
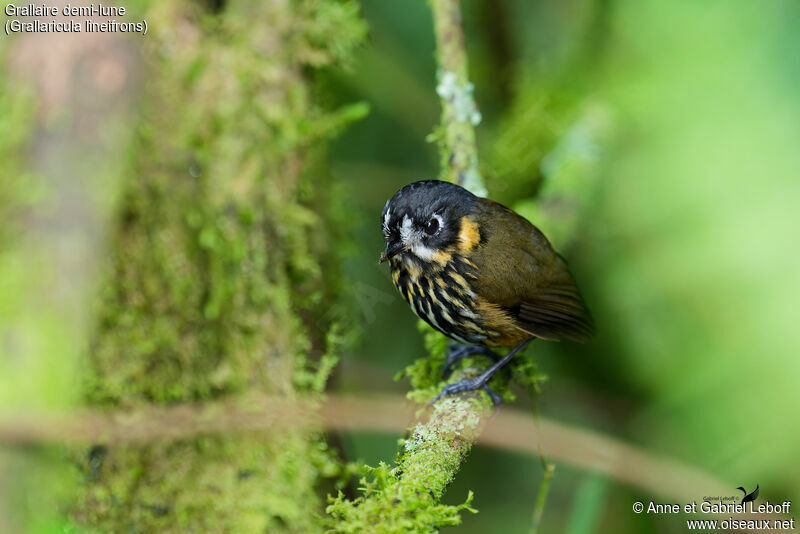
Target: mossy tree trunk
{"type": "Point", "coordinates": [210, 271]}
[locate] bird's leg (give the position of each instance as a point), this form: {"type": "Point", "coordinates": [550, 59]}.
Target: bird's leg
{"type": "Point", "coordinates": [481, 381]}
{"type": "Point", "coordinates": [456, 352]}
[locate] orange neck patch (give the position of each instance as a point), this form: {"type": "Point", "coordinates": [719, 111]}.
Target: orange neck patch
{"type": "Point", "coordinates": [469, 236]}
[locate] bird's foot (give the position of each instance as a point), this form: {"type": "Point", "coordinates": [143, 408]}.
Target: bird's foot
{"type": "Point", "coordinates": [456, 352]}
{"type": "Point", "coordinates": [481, 381]}
{"type": "Point", "coordinates": [468, 384]}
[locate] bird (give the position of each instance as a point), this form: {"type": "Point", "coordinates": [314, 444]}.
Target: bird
{"type": "Point", "coordinates": [480, 274]}
{"type": "Point", "coordinates": [748, 497]}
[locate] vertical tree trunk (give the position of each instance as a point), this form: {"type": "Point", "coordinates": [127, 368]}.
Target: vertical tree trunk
{"type": "Point", "coordinates": [210, 248]}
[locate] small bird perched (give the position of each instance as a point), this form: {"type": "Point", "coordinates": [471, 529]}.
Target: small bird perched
{"type": "Point", "coordinates": [480, 274]}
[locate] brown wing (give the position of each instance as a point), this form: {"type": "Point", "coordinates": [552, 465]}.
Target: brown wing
{"type": "Point", "coordinates": [556, 312]}
{"type": "Point", "coordinates": [521, 273]}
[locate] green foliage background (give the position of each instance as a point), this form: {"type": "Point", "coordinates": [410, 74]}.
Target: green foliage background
{"type": "Point", "coordinates": [661, 136]}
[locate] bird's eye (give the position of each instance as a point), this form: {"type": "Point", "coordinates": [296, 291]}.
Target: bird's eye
{"type": "Point", "coordinates": [432, 226]}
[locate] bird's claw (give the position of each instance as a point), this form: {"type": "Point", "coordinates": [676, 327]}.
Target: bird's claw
{"type": "Point", "coordinates": [467, 384]}
{"type": "Point", "coordinates": [496, 399]}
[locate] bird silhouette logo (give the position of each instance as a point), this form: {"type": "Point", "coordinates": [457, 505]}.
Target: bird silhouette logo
{"type": "Point", "coordinates": [748, 497]}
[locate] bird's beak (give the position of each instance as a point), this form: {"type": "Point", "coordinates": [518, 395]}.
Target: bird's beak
{"type": "Point", "coordinates": [391, 251]}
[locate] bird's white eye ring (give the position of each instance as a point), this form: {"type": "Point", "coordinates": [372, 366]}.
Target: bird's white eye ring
{"type": "Point", "coordinates": [433, 225]}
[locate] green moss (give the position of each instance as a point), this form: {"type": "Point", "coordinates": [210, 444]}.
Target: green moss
{"type": "Point", "coordinates": [214, 277]}
{"type": "Point", "coordinates": [407, 497]}
{"type": "Point", "coordinates": [214, 484]}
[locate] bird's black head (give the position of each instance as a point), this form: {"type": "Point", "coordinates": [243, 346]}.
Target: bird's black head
{"type": "Point", "coordinates": [424, 218]}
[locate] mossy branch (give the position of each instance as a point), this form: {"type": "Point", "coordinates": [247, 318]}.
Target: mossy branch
{"type": "Point", "coordinates": [407, 496]}
{"type": "Point", "coordinates": [208, 289]}
{"type": "Point", "coordinates": [460, 115]}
